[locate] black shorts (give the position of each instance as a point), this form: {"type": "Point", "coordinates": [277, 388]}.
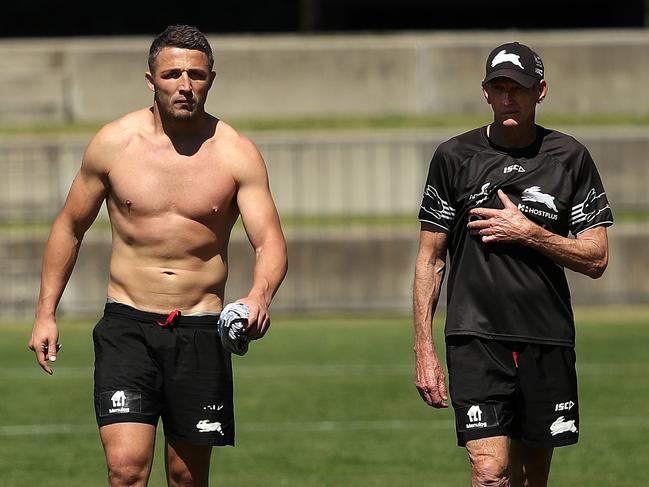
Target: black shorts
{"type": "Point", "coordinates": [180, 372]}
{"type": "Point", "coordinates": [522, 390]}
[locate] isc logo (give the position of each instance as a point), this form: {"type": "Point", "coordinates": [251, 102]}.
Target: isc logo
{"type": "Point", "coordinates": [564, 406]}
{"type": "Point", "coordinates": [512, 168]}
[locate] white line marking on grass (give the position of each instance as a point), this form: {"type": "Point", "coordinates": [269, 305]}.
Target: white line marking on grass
{"type": "Point", "coordinates": [318, 426]}
{"type": "Point", "coordinates": [377, 425]}
{"type": "Point", "coordinates": [321, 370]}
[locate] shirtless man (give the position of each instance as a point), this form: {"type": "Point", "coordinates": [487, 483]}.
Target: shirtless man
{"type": "Point", "coordinates": [175, 180]}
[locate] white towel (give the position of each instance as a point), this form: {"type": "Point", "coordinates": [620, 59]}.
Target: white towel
{"type": "Point", "coordinates": [232, 320]}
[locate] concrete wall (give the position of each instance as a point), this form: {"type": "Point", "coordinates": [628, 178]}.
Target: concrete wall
{"type": "Point", "coordinates": [332, 267]}
{"type": "Point", "coordinates": [589, 72]}
{"type": "Point", "coordinates": [380, 173]}
{"type": "Point", "coordinates": [329, 271]}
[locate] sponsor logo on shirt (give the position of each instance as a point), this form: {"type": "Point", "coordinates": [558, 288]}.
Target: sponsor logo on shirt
{"type": "Point", "coordinates": [482, 196]}
{"type": "Point", "coordinates": [533, 194]}
{"type": "Point", "coordinates": [512, 168]}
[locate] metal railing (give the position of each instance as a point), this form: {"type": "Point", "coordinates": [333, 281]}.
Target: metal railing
{"type": "Point", "coordinates": [362, 190]}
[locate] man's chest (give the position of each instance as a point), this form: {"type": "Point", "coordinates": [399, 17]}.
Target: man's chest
{"type": "Point", "coordinates": [193, 187]}
{"type": "Point", "coordinates": [540, 187]}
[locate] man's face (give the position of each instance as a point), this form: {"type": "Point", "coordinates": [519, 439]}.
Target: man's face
{"type": "Point", "coordinates": [512, 103]}
{"type": "Point", "coordinates": [181, 79]}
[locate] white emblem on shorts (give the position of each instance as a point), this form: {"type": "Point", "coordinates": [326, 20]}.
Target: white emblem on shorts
{"type": "Point", "coordinates": [204, 426]}
{"type": "Point", "coordinates": [119, 403]}
{"type": "Point", "coordinates": [474, 414]}
{"type": "Point", "coordinates": [563, 426]}
{"type": "Point", "coordinates": [475, 417]}
{"type": "Point", "coordinates": [119, 399]}
{"type": "Point", "coordinates": [564, 406]}
{"type": "Point", "coordinates": [213, 407]}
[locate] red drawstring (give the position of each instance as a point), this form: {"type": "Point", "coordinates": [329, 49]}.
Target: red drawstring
{"type": "Point", "coordinates": [171, 320]}
{"type": "Point", "coordinates": [515, 355]}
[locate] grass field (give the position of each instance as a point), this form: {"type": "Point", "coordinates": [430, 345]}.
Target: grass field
{"type": "Point", "coordinates": [328, 402]}
{"type": "Point", "coordinates": [349, 123]}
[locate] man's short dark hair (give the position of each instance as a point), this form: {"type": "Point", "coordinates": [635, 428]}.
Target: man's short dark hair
{"type": "Point", "coordinates": [184, 37]}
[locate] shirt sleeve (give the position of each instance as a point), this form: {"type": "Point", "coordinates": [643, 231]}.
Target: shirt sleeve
{"type": "Point", "coordinates": [437, 205]}
{"type": "Point", "coordinates": [590, 204]}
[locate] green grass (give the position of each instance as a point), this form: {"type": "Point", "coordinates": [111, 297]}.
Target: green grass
{"type": "Point", "coordinates": [328, 402]}
{"type": "Point", "coordinates": [378, 122]}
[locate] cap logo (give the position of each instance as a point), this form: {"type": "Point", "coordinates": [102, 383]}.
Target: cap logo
{"type": "Point", "coordinates": [504, 57]}
{"type": "Point", "coordinates": [539, 66]}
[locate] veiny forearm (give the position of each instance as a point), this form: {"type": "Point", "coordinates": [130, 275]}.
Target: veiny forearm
{"type": "Point", "coordinates": [59, 258]}
{"type": "Point", "coordinates": [429, 275]}
{"type": "Point", "coordinates": [586, 254]}
{"type": "Point", "coordinates": [271, 265]}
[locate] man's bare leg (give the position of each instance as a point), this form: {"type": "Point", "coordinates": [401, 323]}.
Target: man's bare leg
{"type": "Point", "coordinates": [186, 464]}
{"type": "Point", "coordinates": [530, 467]}
{"type": "Point", "coordinates": [129, 453]}
{"type": "Point", "coordinates": [489, 461]}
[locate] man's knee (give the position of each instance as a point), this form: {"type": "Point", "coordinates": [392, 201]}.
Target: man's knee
{"type": "Point", "coordinates": [127, 470]}
{"type": "Point", "coordinates": [530, 465]}
{"type": "Point", "coordinates": [129, 452]}
{"type": "Point", "coordinates": [489, 461]}
{"type": "Point", "coordinates": [490, 472]}
{"type": "Point", "coordinates": [181, 477]}
{"type": "Point", "coordinates": [187, 465]}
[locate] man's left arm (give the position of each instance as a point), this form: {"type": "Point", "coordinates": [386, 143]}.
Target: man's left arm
{"type": "Point", "coordinates": [261, 221]}
{"type": "Point", "coordinates": [587, 253]}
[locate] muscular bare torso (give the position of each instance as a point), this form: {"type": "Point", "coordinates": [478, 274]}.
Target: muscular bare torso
{"type": "Point", "coordinates": [171, 213]}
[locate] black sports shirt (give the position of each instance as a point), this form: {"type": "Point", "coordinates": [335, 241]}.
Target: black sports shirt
{"type": "Point", "coordinates": [502, 290]}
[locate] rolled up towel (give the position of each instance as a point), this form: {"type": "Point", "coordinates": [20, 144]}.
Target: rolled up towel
{"type": "Point", "coordinates": [232, 320]}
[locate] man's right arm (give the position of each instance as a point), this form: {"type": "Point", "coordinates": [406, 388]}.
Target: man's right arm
{"type": "Point", "coordinates": [429, 275]}
{"type": "Point", "coordinates": [262, 225]}
{"type": "Point", "coordinates": [83, 202]}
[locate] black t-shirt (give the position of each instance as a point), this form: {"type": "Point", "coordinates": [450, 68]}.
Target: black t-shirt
{"type": "Point", "coordinates": [509, 291]}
